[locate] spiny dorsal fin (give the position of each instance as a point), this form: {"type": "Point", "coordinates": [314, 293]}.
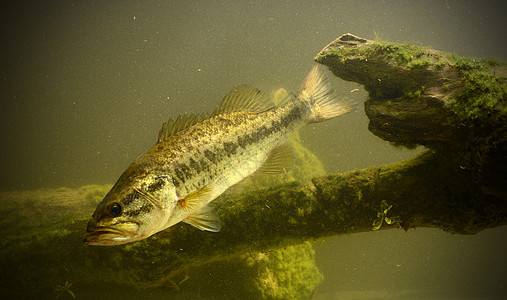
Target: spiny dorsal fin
{"type": "Point", "coordinates": [244, 98]}
{"type": "Point", "coordinates": [182, 121]}
{"type": "Point", "coordinates": [280, 160]}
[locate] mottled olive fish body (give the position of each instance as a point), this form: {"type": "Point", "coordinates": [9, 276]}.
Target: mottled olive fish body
{"type": "Point", "coordinates": [198, 157]}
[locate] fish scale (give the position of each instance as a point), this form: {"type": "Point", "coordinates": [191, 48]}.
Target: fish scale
{"type": "Point", "coordinates": [258, 134]}
{"type": "Point", "coordinates": [215, 144]}
{"type": "Point", "coordinates": [198, 157]}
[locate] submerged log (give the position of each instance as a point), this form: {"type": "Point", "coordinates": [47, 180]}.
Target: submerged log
{"type": "Point", "coordinates": [255, 248]}
{"type": "Point", "coordinates": [423, 96]}
{"type": "Point", "coordinates": [454, 106]}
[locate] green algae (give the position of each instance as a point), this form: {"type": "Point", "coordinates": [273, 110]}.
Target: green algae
{"type": "Point", "coordinates": [262, 249]}
{"type": "Point", "coordinates": [425, 96]}
{"type": "Point", "coordinates": [382, 216]}
{"type": "Point", "coordinates": [46, 228]}
{"type": "Point", "coordinates": [287, 274]}
{"type": "Point", "coordinates": [383, 66]}
{"type": "Point", "coordinates": [419, 64]}
{"type": "Point", "coordinates": [61, 289]}
{"type": "Point", "coordinates": [408, 55]}
{"type": "Point", "coordinates": [484, 93]}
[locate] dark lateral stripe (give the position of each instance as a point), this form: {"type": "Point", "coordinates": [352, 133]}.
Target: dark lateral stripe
{"type": "Point", "coordinates": [214, 156]}
{"type": "Point", "coordinates": [256, 136]}
{"type": "Point", "coordinates": [276, 125]}
{"type": "Point", "coordinates": [179, 174]}
{"type": "Point", "coordinates": [210, 155]}
{"type": "Point", "coordinates": [230, 148]}
{"type": "Point", "coordinates": [195, 165]}
{"type": "Point", "coordinates": [204, 166]}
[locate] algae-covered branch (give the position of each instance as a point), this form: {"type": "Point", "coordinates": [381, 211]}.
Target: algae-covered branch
{"type": "Point", "coordinates": [454, 106]}
{"type": "Point", "coordinates": [423, 96]}
{"type": "Point", "coordinates": [264, 234]}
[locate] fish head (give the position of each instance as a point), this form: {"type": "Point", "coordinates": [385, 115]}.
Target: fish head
{"type": "Point", "coordinates": [133, 210]}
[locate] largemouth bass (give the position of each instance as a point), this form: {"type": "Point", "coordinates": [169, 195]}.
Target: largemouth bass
{"type": "Point", "coordinates": [198, 157]}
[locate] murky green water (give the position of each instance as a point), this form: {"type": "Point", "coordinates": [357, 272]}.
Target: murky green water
{"type": "Point", "coordinates": [86, 86]}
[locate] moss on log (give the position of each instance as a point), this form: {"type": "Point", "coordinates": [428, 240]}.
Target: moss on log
{"type": "Point", "coordinates": [423, 96]}
{"type": "Point", "coordinates": [426, 94]}
{"type": "Point", "coordinates": [455, 107]}
{"type": "Point", "coordinates": [260, 230]}
{"type": "Point", "coordinates": [41, 239]}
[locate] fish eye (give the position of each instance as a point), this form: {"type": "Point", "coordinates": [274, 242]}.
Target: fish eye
{"type": "Point", "coordinates": [115, 209]}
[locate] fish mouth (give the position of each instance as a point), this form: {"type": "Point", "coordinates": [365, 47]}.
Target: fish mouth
{"type": "Point", "coordinates": [106, 236]}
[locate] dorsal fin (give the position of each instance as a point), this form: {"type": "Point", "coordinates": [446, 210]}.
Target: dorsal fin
{"type": "Point", "coordinates": [244, 98]}
{"type": "Point", "coordinates": [171, 127]}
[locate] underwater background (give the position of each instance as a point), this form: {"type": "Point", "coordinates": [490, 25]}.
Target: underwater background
{"type": "Point", "coordinates": [86, 85]}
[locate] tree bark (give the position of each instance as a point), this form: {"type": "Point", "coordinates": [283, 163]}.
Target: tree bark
{"type": "Point", "coordinates": [423, 96]}
{"type": "Point", "coordinates": [454, 106]}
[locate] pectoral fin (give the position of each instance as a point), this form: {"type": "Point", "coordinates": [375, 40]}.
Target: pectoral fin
{"type": "Point", "coordinates": [205, 218]}
{"type": "Point", "coordinates": [197, 199]}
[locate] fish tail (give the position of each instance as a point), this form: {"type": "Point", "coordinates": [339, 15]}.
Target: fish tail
{"type": "Point", "coordinates": [325, 103]}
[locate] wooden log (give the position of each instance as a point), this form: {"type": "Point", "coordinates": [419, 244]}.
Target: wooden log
{"type": "Point", "coordinates": [421, 96]}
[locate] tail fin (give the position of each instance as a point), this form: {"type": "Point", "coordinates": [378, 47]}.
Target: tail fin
{"type": "Point", "coordinates": [325, 102]}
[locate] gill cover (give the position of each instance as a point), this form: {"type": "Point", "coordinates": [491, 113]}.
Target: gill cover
{"type": "Point", "coordinates": [131, 212]}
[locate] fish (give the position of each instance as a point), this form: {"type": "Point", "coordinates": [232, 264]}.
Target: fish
{"type": "Point", "coordinates": [199, 156]}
